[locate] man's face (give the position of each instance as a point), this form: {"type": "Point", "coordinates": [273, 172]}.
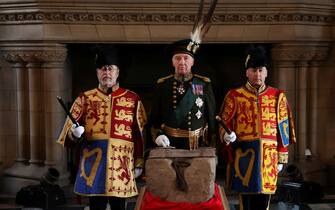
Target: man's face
{"type": "Point", "coordinates": [257, 76]}
{"type": "Point", "coordinates": [182, 63]}
{"type": "Point", "coordinates": [107, 75]}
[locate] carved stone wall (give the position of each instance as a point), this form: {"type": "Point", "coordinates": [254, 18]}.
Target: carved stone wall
{"type": "Point", "coordinates": [164, 21]}
{"type": "Point", "coordinates": [40, 77]}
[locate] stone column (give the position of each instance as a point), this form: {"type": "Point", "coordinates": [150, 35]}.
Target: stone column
{"type": "Point", "coordinates": [42, 77]}
{"type": "Point", "coordinates": [321, 54]}
{"type": "Point", "coordinates": [56, 83]}
{"type": "Point", "coordinates": [18, 66]}
{"type": "Point", "coordinates": [16, 176]}
{"type": "Point", "coordinates": [313, 105]}
{"type": "Point", "coordinates": [301, 109]}
{"type": "Point", "coordinates": [22, 112]}
{"type": "Point", "coordinates": [36, 113]}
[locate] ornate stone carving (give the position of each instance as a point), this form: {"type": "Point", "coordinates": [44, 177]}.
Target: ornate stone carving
{"type": "Point", "coordinates": [18, 53]}
{"type": "Point", "coordinates": [158, 18]}
{"type": "Point", "coordinates": [281, 18]}
{"type": "Point", "coordinates": [300, 52]}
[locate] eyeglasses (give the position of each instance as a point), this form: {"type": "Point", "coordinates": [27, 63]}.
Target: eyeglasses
{"type": "Point", "coordinates": [109, 68]}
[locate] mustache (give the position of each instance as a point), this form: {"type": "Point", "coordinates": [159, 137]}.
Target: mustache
{"type": "Point", "coordinates": [107, 77]}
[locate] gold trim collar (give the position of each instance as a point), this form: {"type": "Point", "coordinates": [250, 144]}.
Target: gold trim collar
{"type": "Point", "coordinates": [253, 89]}
{"type": "Point", "coordinates": [114, 88]}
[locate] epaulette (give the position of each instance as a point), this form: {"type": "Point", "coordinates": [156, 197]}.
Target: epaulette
{"type": "Point", "coordinates": [160, 80]}
{"type": "Point", "coordinates": [206, 79]}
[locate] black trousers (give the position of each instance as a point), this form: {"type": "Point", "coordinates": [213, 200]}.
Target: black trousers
{"type": "Point", "coordinates": [254, 201]}
{"type": "Point", "coordinates": [100, 203]}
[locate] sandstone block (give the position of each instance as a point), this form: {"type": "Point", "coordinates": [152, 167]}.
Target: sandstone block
{"type": "Point", "coordinates": [198, 169]}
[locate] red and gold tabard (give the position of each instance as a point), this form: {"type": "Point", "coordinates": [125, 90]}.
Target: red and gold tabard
{"type": "Point", "coordinates": [263, 124]}
{"type": "Point", "coordinates": [112, 144]}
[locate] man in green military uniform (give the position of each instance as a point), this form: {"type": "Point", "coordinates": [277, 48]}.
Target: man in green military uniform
{"type": "Point", "coordinates": [183, 112]}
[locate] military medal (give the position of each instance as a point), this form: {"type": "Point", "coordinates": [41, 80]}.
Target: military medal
{"type": "Point", "coordinates": [197, 89]}
{"type": "Point", "coordinates": [181, 89]}
{"type": "Point", "coordinates": [198, 114]}
{"type": "Point", "coordinates": [199, 102]}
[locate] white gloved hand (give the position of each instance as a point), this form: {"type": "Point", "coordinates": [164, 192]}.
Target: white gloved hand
{"type": "Point", "coordinates": [280, 167]}
{"type": "Point", "coordinates": [229, 137]}
{"type": "Point", "coordinates": [162, 141]}
{"type": "Point", "coordinates": [77, 131]}
{"type": "Point", "coordinates": [138, 172]}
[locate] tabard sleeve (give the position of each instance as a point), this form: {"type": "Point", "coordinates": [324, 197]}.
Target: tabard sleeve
{"type": "Point", "coordinates": [227, 113]}
{"type": "Point", "coordinates": [77, 111]}
{"type": "Point", "coordinates": [286, 132]}
{"type": "Point", "coordinates": [141, 120]}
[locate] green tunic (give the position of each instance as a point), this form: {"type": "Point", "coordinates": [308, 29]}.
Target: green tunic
{"type": "Point", "coordinates": [188, 108]}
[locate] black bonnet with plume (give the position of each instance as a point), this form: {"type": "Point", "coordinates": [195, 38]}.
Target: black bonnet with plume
{"type": "Point", "coordinates": [200, 28]}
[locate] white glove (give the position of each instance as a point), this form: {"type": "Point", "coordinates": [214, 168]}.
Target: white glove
{"type": "Point", "coordinates": [77, 131]}
{"type": "Point", "coordinates": [229, 137]}
{"type": "Point", "coordinates": [138, 172]}
{"type": "Point", "coordinates": [280, 167]}
{"type": "Point", "coordinates": [162, 141]}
